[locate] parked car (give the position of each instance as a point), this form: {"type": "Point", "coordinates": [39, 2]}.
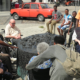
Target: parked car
{"type": "Point", "coordinates": [33, 10]}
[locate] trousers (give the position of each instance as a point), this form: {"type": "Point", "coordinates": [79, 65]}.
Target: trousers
{"type": "Point", "coordinates": [71, 33]}
{"type": "Point", "coordinates": [6, 60]}
{"type": "Point", "coordinates": [53, 22]}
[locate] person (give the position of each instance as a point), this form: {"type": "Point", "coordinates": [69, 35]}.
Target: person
{"type": "Point", "coordinates": [71, 29]}
{"type": "Point", "coordinates": [4, 72]}
{"type": "Point", "coordinates": [66, 22]}
{"type": "Point", "coordinates": [11, 31]}
{"type": "Point", "coordinates": [56, 17]}
{"type": "Point", "coordinates": [56, 53]}
{"type": "Point", "coordinates": [78, 19]}
{"type": "Point", "coordinates": [76, 33]}
{"type": "Point", "coordinates": [41, 47]}
{"type": "Point", "coordinates": [5, 57]}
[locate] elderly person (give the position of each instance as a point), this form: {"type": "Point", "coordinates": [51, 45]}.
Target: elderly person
{"type": "Point", "coordinates": [41, 47]}
{"type": "Point", "coordinates": [11, 31]}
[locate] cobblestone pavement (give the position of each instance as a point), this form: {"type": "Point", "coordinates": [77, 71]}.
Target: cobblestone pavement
{"type": "Point", "coordinates": [4, 19]}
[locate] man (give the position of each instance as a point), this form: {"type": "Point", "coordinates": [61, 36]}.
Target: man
{"type": "Point", "coordinates": [66, 22]}
{"type": "Point", "coordinates": [11, 31]}
{"type": "Point", "coordinates": [5, 57]}
{"type": "Point", "coordinates": [78, 19]}
{"type": "Point", "coordinates": [71, 29]}
{"type": "Point", "coordinates": [4, 72]}
{"type": "Point", "coordinates": [54, 52]}
{"type": "Point", "coordinates": [56, 17]}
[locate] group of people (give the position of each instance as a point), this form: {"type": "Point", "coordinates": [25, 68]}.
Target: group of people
{"type": "Point", "coordinates": [56, 54]}
{"type": "Point", "coordinates": [11, 32]}
{"type": "Point", "coordinates": [48, 56]}
{"type": "Point", "coordinates": [68, 25]}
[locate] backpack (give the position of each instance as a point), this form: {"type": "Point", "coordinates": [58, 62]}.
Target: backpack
{"type": "Point", "coordinates": [72, 63]}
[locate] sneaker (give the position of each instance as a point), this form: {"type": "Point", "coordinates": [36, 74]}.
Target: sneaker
{"type": "Point", "coordinates": [13, 59]}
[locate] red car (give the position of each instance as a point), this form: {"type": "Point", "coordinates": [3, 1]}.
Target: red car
{"type": "Point", "coordinates": [34, 10]}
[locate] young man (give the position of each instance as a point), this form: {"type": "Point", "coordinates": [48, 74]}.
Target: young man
{"type": "Point", "coordinates": [71, 29]}
{"type": "Point", "coordinates": [56, 17]}
{"type": "Point", "coordinates": [66, 22]}
{"type": "Point", "coordinates": [54, 52]}
{"type": "Point", "coordinates": [11, 31]}
{"type": "Point", "coordinates": [76, 33]}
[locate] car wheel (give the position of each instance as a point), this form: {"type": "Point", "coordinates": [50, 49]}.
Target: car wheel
{"type": "Point", "coordinates": [15, 16]}
{"type": "Point", "coordinates": [40, 17]}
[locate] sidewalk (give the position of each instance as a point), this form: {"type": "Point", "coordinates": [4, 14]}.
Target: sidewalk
{"type": "Point", "coordinates": [4, 13]}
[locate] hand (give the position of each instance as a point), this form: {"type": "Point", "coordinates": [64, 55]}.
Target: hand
{"type": "Point", "coordinates": [62, 25]}
{"type": "Point", "coordinates": [13, 47]}
{"type": "Point", "coordinates": [79, 42]}
{"type": "Point", "coordinates": [57, 21]}
{"type": "Point", "coordinates": [49, 21]}
{"type": "Point", "coordinates": [68, 32]}
{"type": "Point", "coordinates": [15, 37]}
{"type": "Point", "coordinates": [26, 65]}
{"type": "Point", "coordinates": [19, 37]}
{"type": "Point", "coordinates": [1, 71]}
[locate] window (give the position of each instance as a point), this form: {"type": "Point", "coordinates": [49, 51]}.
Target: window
{"type": "Point", "coordinates": [34, 6]}
{"type": "Point", "coordinates": [44, 6]}
{"type": "Point", "coordinates": [27, 6]}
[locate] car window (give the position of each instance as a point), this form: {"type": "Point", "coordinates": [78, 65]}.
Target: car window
{"type": "Point", "coordinates": [34, 6]}
{"type": "Point", "coordinates": [44, 6]}
{"type": "Point", "coordinates": [27, 6]}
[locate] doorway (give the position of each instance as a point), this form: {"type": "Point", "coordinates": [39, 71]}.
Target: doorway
{"type": "Point", "coordinates": [5, 5]}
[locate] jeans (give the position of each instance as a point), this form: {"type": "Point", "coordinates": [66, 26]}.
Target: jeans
{"type": "Point", "coordinates": [71, 33]}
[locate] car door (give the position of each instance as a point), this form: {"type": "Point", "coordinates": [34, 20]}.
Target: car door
{"type": "Point", "coordinates": [24, 12]}
{"type": "Point", "coordinates": [34, 10]}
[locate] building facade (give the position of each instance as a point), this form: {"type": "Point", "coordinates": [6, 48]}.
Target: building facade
{"type": "Point", "coordinates": [4, 5]}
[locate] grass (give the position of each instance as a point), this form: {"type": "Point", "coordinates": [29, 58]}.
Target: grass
{"type": "Point", "coordinates": [41, 27]}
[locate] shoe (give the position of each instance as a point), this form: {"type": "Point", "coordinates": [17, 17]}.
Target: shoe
{"type": "Point", "coordinates": [68, 46]}
{"type": "Point", "coordinates": [13, 59]}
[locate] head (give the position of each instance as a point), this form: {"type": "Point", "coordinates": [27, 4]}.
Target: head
{"type": "Point", "coordinates": [12, 23]}
{"type": "Point", "coordinates": [41, 47]}
{"type": "Point", "coordinates": [66, 11]}
{"type": "Point", "coordinates": [74, 13]}
{"type": "Point", "coordinates": [55, 7]}
{"type": "Point", "coordinates": [59, 40]}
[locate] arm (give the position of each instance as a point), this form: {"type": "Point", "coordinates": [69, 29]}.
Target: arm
{"type": "Point", "coordinates": [60, 18]}
{"type": "Point", "coordinates": [77, 22]}
{"type": "Point", "coordinates": [48, 54]}
{"type": "Point", "coordinates": [67, 23]}
{"type": "Point", "coordinates": [70, 27]}
{"type": "Point", "coordinates": [8, 36]}
{"type": "Point", "coordinates": [52, 19]}
{"type": "Point", "coordinates": [63, 23]}
{"type": "Point", "coordinates": [3, 43]}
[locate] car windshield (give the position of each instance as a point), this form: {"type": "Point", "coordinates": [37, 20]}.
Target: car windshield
{"type": "Point", "coordinates": [44, 6]}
